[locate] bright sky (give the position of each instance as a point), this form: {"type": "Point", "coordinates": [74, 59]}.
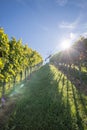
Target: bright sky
{"type": "Point", "coordinates": [44, 24]}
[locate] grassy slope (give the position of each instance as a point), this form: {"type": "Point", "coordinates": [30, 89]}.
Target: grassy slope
{"type": "Point", "coordinates": [50, 102]}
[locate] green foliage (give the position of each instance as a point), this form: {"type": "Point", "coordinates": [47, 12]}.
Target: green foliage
{"type": "Point", "coordinates": [1, 63]}
{"type": "Point", "coordinates": [15, 57]}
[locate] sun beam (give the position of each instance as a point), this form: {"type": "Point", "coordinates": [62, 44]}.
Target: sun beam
{"type": "Point", "coordinates": [65, 44]}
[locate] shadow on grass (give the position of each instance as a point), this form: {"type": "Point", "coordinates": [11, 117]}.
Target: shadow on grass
{"type": "Point", "coordinates": [79, 119]}
{"type": "Point", "coordinates": [43, 107]}
{"type": "Point", "coordinates": [79, 99]}
{"type": "Point", "coordinates": [83, 102]}
{"type": "Point", "coordinates": [67, 110]}
{"type": "Point", "coordinates": [73, 75]}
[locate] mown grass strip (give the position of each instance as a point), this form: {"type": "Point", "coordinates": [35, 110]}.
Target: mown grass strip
{"type": "Point", "coordinates": [50, 102]}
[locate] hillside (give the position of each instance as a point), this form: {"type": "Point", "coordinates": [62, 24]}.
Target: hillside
{"type": "Point", "coordinates": [50, 102]}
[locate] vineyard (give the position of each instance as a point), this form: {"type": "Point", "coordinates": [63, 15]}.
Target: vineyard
{"type": "Point", "coordinates": [50, 101]}
{"type": "Point", "coordinates": [73, 63]}
{"type": "Point", "coordinates": [48, 97]}
{"type": "Point", "coordinates": [17, 61]}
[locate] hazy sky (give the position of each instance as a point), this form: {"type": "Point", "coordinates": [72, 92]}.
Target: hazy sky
{"type": "Point", "coordinates": [44, 24]}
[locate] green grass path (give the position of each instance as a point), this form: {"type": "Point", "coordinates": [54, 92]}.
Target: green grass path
{"type": "Point", "coordinates": [50, 102]}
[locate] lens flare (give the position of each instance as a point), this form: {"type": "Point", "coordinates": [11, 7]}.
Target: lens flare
{"type": "Point", "coordinates": [65, 44]}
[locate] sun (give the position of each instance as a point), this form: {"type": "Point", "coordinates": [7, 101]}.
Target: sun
{"type": "Point", "coordinates": [65, 44]}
